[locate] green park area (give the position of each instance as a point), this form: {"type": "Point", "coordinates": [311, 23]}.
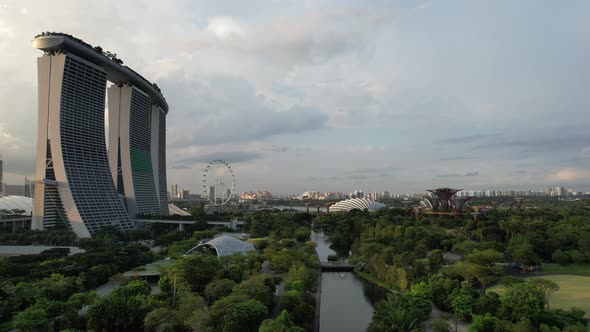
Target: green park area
{"type": "Point", "coordinates": [574, 291]}
{"type": "Point", "coordinates": [576, 269]}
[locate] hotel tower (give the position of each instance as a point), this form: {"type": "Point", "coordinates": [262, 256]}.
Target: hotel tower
{"type": "Point", "coordinates": [81, 183]}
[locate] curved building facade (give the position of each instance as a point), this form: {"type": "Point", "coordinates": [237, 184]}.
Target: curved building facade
{"type": "Point", "coordinates": [356, 203]}
{"type": "Point", "coordinates": [79, 183]}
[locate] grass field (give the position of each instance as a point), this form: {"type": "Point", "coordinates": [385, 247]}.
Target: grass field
{"type": "Point", "coordinates": [574, 292]}
{"type": "Point", "coordinates": [580, 269]}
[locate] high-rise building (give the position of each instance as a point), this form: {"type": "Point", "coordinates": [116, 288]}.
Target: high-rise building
{"type": "Point", "coordinates": [134, 150]}
{"type": "Point", "coordinates": [212, 194]}
{"type": "Point", "coordinates": [184, 194]}
{"type": "Point", "coordinates": [174, 191]}
{"type": "Point", "coordinates": [78, 184]}
{"type": "Point", "coordinates": [1, 175]}
{"type": "Point", "coordinates": [559, 191]}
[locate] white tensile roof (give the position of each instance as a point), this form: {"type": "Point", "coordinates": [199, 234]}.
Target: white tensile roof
{"type": "Point", "coordinates": [356, 203]}
{"type": "Point", "coordinates": [17, 202]}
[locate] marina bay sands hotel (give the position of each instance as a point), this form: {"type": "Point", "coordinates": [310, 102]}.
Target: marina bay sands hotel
{"type": "Point", "coordinates": [86, 180]}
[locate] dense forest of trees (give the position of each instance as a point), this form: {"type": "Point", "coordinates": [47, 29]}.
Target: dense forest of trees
{"type": "Point", "coordinates": [455, 260]}
{"type": "Point", "coordinates": [447, 262]}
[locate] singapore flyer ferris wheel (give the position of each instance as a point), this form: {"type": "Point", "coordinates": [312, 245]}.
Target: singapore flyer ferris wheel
{"type": "Point", "coordinates": [219, 182]}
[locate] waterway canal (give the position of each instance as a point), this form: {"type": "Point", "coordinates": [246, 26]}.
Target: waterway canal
{"type": "Point", "coordinates": [346, 300]}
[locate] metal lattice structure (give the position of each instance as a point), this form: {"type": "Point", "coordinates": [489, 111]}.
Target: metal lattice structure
{"type": "Point", "coordinates": [210, 185]}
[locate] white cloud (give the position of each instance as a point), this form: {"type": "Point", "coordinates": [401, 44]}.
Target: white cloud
{"type": "Point", "coordinates": [225, 27]}
{"type": "Point", "coordinates": [7, 141]}
{"type": "Point", "coordinates": [570, 175]}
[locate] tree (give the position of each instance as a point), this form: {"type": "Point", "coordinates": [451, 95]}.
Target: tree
{"type": "Point", "coordinates": [393, 314]}
{"type": "Point", "coordinates": [197, 270]}
{"type": "Point", "coordinates": [244, 317]}
{"type": "Point", "coordinates": [462, 304]}
{"type": "Point", "coordinates": [160, 317]}
{"type": "Point", "coordinates": [546, 286]}
{"type": "Point", "coordinates": [442, 288]}
{"type": "Point", "coordinates": [218, 289]}
{"type": "Point", "coordinates": [487, 257]}
{"type": "Point", "coordinates": [134, 288]}
{"type": "Point", "coordinates": [116, 312]}
{"type": "Point", "coordinates": [524, 325]}
{"type": "Point", "coordinates": [488, 323]}
{"type": "Point", "coordinates": [524, 300]}
{"type": "Point", "coordinates": [419, 298]}
{"type": "Point", "coordinates": [440, 325]}
{"type": "Point", "coordinates": [465, 269]}
{"type": "Point", "coordinates": [282, 323]}
{"type": "Point", "coordinates": [298, 273]}
{"type": "Point", "coordinates": [435, 260]}
{"type": "Point", "coordinates": [260, 287]}
{"type": "Point", "coordinates": [198, 321]}
{"type": "Point", "coordinates": [560, 257]}
{"type": "Point", "coordinates": [487, 304]}
{"type": "Point", "coordinates": [523, 253]}
{"type": "Point", "coordinates": [32, 319]}
{"type": "Point", "coordinates": [301, 305]}
{"type": "Point", "coordinates": [480, 264]}
{"type": "Point", "coordinates": [302, 234]}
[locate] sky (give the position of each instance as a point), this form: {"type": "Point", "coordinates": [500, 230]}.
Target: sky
{"type": "Point", "coordinates": [326, 95]}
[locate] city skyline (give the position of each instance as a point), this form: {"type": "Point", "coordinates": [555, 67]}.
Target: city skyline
{"type": "Point", "coordinates": [334, 96]}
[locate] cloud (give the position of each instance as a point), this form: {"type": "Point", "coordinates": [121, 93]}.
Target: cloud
{"type": "Point", "coordinates": [457, 158]}
{"type": "Point", "coordinates": [534, 143]}
{"type": "Point", "coordinates": [7, 141]}
{"type": "Point", "coordinates": [230, 157]}
{"type": "Point", "coordinates": [228, 110]}
{"type": "Point", "coordinates": [472, 174]}
{"type": "Point", "coordinates": [385, 83]}
{"type": "Point", "coordinates": [225, 27]}
{"type": "Point", "coordinates": [465, 139]}
{"type": "Point", "coordinates": [448, 175]}
{"type": "Point", "coordinates": [372, 170]}
{"type": "Point", "coordinates": [570, 175]}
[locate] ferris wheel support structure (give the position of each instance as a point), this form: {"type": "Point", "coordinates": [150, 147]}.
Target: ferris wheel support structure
{"type": "Point", "coordinates": [218, 183]}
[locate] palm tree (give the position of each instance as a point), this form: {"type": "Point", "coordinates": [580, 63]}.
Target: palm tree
{"type": "Point", "coordinates": [394, 314]}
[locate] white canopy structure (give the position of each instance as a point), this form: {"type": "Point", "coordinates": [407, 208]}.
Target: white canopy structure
{"type": "Point", "coordinates": [356, 203]}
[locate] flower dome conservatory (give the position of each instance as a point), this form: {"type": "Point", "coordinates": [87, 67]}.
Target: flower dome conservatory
{"type": "Point", "coordinates": [356, 203]}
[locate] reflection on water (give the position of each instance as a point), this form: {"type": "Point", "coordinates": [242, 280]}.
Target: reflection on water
{"type": "Point", "coordinates": [343, 304]}
{"type": "Point", "coordinates": [322, 246]}
{"type": "Point", "coordinates": [346, 300]}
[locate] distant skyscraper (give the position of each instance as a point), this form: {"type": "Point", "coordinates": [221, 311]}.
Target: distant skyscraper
{"type": "Point", "coordinates": [174, 191]}
{"type": "Point", "coordinates": [1, 175]}
{"type": "Point", "coordinates": [184, 194]}
{"type": "Point", "coordinates": [75, 184]}
{"type": "Point", "coordinates": [212, 194]}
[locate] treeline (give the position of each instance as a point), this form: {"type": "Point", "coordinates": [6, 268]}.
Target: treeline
{"type": "Point", "coordinates": [46, 238]}
{"type": "Point", "coordinates": [202, 292]}
{"type": "Point", "coordinates": [45, 292]}
{"type": "Point", "coordinates": [453, 261]}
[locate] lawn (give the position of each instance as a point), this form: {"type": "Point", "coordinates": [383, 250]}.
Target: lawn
{"type": "Point", "coordinates": [580, 269]}
{"type": "Point", "coordinates": [574, 292]}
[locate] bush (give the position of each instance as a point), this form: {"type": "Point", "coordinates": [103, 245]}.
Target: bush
{"type": "Point", "coordinates": [560, 257]}
{"type": "Point", "coordinates": [332, 258]}
{"type": "Point", "coordinates": [218, 289]}
{"type": "Point", "coordinates": [440, 325]}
